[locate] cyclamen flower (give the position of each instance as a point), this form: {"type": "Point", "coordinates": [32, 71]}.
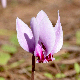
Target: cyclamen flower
{"type": "Point", "coordinates": [42, 40]}
{"type": "Point", "coordinates": [4, 3]}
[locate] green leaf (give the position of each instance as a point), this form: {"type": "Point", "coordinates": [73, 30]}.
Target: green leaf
{"type": "Point", "coordinates": [57, 58]}
{"type": "Point", "coordinates": [79, 79]}
{"type": "Point", "coordinates": [9, 48]}
{"type": "Point", "coordinates": [78, 37]}
{"type": "Point", "coordinates": [48, 75]}
{"type": "Point", "coordinates": [77, 67]}
{"type": "Point", "coordinates": [14, 39]}
{"type": "Point", "coordinates": [15, 64]}
{"type": "Point", "coordinates": [1, 78]}
{"type": "Point", "coordinates": [59, 75]}
{"type": "Point", "coordinates": [4, 57]}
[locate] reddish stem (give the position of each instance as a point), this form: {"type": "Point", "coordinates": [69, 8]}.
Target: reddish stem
{"type": "Point", "coordinates": [33, 67]}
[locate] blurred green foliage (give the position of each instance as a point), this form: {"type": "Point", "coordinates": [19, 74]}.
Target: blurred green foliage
{"type": "Point", "coordinates": [9, 48]}
{"type": "Point", "coordinates": [1, 78]}
{"type": "Point", "coordinates": [49, 75]}
{"type": "Point", "coordinates": [77, 68]}
{"type": "Point", "coordinates": [15, 64]}
{"type": "Point", "coordinates": [78, 78]}
{"type": "Point", "coordinates": [4, 57]}
{"type": "Point", "coordinates": [78, 37]}
{"type": "Point", "coordinates": [60, 75]}
{"type": "Point", "coordinates": [57, 58]}
{"type": "Point", "coordinates": [14, 40]}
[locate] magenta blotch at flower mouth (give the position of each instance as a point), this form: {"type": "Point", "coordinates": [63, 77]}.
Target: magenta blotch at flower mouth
{"type": "Point", "coordinates": [42, 40]}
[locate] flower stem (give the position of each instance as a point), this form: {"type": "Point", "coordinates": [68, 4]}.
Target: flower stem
{"type": "Point", "coordinates": [33, 67]}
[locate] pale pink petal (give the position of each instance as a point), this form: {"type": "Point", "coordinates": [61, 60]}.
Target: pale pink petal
{"type": "Point", "coordinates": [4, 3]}
{"type": "Point", "coordinates": [59, 36]}
{"type": "Point", "coordinates": [40, 16]}
{"type": "Point", "coordinates": [34, 23]}
{"type": "Point", "coordinates": [35, 29]}
{"type": "Point", "coordinates": [24, 36]}
{"type": "Point", "coordinates": [47, 35]}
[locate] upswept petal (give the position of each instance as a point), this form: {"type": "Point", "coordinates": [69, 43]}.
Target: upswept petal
{"type": "Point", "coordinates": [34, 23]}
{"type": "Point", "coordinates": [35, 29]}
{"type": "Point", "coordinates": [59, 36]}
{"type": "Point", "coordinates": [47, 35]}
{"type": "Point", "coordinates": [24, 36]}
{"type": "Point", "coordinates": [40, 16]}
